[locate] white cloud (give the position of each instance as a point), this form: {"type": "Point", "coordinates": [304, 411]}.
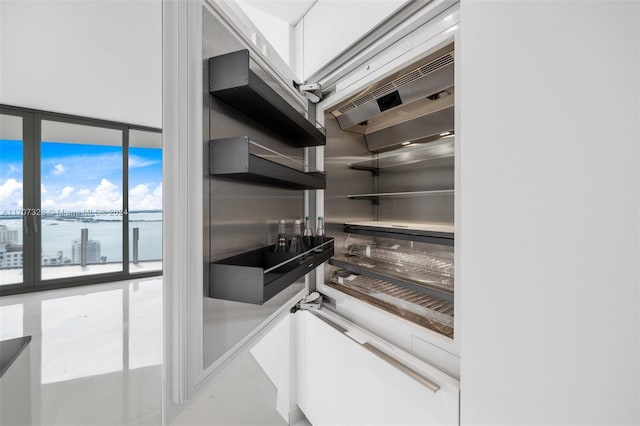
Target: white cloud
{"type": "Point", "coordinates": [13, 169]}
{"type": "Point", "coordinates": [105, 196]}
{"type": "Point", "coordinates": [43, 189]}
{"type": "Point", "coordinates": [138, 191]}
{"type": "Point", "coordinates": [58, 169]}
{"type": "Point", "coordinates": [66, 191]}
{"type": "Point", "coordinates": [9, 188]}
{"type": "Point", "coordinates": [136, 162]}
{"type": "Point", "coordinates": [141, 197]}
{"type": "Point", "coordinates": [48, 203]}
{"type": "Point", "coordinates": [158, 191]}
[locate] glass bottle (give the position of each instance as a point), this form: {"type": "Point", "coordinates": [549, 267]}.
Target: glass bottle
{"type": "Point", "coordinates": [319, 238]}
{"type": "Point", "coordinates": [296, 245]}
{"type": "Point", "coordinates": [308, 234]}
{"type": "Point", "coordinates": [281, 244]}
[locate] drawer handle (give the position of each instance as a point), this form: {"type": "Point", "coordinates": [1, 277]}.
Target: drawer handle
{"type": "Point", "coordinates": [431, 385]}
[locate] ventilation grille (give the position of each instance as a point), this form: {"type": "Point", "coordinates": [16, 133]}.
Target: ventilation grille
{"type": "Point", "coordinates": [368, 97]}
{"type": "Point", "coordinates": [437, 64]}
{"type": "Point", "coordinates": [399, 82]}
{"type": "Point", "coordinates": [381, 91]}
{"type": "Point", "coordinates": [408, 78]}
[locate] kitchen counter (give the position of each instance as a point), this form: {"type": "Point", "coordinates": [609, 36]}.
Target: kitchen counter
{"type": "Point", "coordinates": [10, 350]}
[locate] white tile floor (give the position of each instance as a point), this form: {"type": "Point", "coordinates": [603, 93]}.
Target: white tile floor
{"type": "Point", "coordinates": [96, 352]}
{"type": "Point", "coordinates": [96, 359]}
{"type": "Point", "coordinates": [241, 394]}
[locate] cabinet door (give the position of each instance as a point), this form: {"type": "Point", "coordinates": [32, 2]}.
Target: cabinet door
{"type": "Point", "coordinates": [346, 376]}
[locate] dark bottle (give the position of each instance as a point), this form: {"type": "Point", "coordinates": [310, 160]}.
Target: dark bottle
{"type": "Point", "coordinates": [281, 244]}
{"type": "Point", "coordinates": [319, 238]}
{"type": "Point", "coordinates": [297, 245]}
{"type": "Point", "coordinates": [308, 234]}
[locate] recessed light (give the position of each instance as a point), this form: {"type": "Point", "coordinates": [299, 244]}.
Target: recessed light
{"type": "Point", "coordinates": [445, 133]}
{"type": "Point", "coordinates": [406, 143]}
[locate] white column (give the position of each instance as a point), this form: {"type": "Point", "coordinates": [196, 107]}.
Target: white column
{"type": "Point", "coordinates": [182, 200]}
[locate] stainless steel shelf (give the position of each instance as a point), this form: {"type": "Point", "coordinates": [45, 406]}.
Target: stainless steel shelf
{"type": "Point", "coordinates": [379, 195]}
{"type": "Point", "coordinates": [408, 276]}
{"type": "Point", "coordinates": [431, 312]}
{"type": "Point", "coordinates": [231, 158]}
{"type": "Point", "coordinates": [231, 80]}
{"type": "Point", "coordinates": [408, 155]}
{"type": "Point", "coordinates": [423, 232]}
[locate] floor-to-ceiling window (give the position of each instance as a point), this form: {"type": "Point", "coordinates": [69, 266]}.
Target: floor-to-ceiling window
{"type": "Point", "coordinates": [80, 200]}
{"type": "Point", "coordinates": [145, 201]}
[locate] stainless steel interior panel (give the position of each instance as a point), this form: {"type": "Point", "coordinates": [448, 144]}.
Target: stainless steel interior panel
{"type": "Point", "coordinates": [342, 149]}
{"type": "Point", "coordinates": [430, 208]}
{"type": "Point", "coordinates": [428, 176]}
{"type": "Point", "coordinates": [431, 175]}
{"type": "Point", "coordinates": [238, 216]}
{"type": "Point", "coordinates": [244, 216]}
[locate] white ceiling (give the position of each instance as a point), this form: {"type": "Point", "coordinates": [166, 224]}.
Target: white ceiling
{"type": "Point", "coordinates": [289, 11]}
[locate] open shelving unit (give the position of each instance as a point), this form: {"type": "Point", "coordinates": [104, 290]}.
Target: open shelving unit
{"type": "Point", "coordinates": [231, 158]}
{"type": "Point", "coordinates": [416, 285]}
{"type": "Point", "coordinates": [258, 275]}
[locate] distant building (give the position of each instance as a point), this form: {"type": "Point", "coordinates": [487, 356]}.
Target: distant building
{"type": "Point", "coordinates": [93, 252]}
{"type": "Point", "coordinates": [49, 261]}
{"type": "Point", "coordinates": [8, 235]}
{"type": "Point", "coordinates": [11, 256]}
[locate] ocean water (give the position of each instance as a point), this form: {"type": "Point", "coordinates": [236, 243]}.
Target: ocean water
{"type": "Point", "coordinates": [59, 235]}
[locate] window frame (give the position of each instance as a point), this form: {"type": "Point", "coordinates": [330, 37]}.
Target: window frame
{"type": "Point", "coordinates": [32, 131]}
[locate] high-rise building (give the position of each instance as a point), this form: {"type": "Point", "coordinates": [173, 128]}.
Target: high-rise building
{"type": "Point", "coordinates": [8, 235]}
{"type": "Point", "coordinates": [11, 256]}
{"type": "Point", "coordinates": [93, 251]}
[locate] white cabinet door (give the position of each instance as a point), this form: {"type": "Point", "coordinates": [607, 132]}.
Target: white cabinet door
{"type": "Point", "coordinates": [346, 376]}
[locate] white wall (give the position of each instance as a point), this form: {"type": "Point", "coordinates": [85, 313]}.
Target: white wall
{"type": "Point", "coordinates": [549, 224]}
{"type": "Point", "coordinates": [98, 59]}
{"type": "Point", "coordinates": [331, 26]}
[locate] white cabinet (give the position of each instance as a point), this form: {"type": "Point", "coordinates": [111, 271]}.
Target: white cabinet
{"type": "Point", "coordinates": [338, 373]}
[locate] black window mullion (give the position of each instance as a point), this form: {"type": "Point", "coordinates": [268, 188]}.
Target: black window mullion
{"type": "Point", "coordinates": [29, 182]}
{"type": "Point", "coordinates": [125, 201]}
{"type": "Point", "coordinates": [36, 175]}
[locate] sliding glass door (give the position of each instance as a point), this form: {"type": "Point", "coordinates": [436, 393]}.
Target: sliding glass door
{"type": "Point", "coordinates": [80, 200]}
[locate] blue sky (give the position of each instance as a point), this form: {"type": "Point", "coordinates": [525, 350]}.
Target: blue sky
{"type": "Point", "coordinates": [83, 177]}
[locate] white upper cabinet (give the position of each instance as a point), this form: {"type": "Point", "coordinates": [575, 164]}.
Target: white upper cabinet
{"type": "Point", "coordinates": [330, 27]}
